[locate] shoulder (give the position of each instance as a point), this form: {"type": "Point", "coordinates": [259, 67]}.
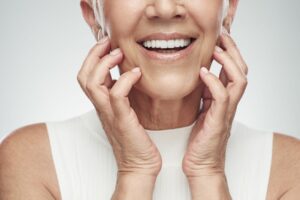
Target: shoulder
{"type": "Point", "coordinates": [24, 141]}
{"type": "Point", "coordinates": [286, 155]}
{"type": "Point", "coordinates": [26, 163]}
{"type": "Point", "coordinates": [285, 144]}
{"type": "Point", "coordinates": [285, 169]}
{"type": "Point", "coordinates": [284, 179]}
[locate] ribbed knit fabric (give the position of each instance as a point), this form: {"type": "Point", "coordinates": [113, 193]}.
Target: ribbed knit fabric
{"type": "Point", "coordinates": [86, 167]}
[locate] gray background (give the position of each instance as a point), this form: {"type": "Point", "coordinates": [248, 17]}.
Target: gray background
{"type": "Point", "coordinates": [43, 44]}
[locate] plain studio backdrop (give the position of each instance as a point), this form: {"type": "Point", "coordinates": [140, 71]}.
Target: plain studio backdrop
{"type": "Point", "coordinates": [43, 45]}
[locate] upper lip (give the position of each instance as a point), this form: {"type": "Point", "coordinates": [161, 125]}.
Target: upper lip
{"type": "Point", "coordinates": [165, 36]}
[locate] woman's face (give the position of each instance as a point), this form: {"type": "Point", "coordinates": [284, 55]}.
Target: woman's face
{"type": "Point", "coordinates": [165, 75]}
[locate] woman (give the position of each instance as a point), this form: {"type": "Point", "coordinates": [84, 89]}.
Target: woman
{"type": "Point", "coordinates": [148, 136]}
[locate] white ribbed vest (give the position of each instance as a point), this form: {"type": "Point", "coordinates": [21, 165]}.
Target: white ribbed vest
{"type": "Point", "coordinates": [86, 167]}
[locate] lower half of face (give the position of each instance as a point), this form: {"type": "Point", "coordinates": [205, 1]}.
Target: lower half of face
{"type": "Point", "coordinates": [170, 67]}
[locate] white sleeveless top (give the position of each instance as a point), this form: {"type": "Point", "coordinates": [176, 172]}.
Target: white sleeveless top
{"type": "Point", "coordinates": [86, 168]}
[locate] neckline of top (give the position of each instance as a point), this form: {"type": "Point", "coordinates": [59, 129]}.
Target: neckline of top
{"type": "Point", "coordinates": [172, 130]}
{"type": "Point", "coordinates": [93, 123]}
{"type": "Point", "coordinates": [93, 120]}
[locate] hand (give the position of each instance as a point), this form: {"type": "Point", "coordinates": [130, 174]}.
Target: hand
{"type": "Point", "coordinates": [133, 149]}
{"type": "Point", "coordinates": [205, 153]}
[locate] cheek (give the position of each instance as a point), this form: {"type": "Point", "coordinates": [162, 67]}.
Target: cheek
{"type": "Point", "coordinates": [206, 14]}
{"type": "Point", "coordinates": [122, 18]}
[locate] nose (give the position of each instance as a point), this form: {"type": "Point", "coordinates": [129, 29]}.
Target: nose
{"type": "Point", "coordinates": [165, 9]}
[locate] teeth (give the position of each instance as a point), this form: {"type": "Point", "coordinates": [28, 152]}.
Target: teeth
{"type": "Point", "coordinates": [167, 44]}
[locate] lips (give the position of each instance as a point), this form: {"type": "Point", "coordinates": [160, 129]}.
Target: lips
{"type": "Point", "coordinates": [166, 55]}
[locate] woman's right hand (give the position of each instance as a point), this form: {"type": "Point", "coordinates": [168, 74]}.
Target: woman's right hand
{"type": "Point", "coordinates": [134, 150]}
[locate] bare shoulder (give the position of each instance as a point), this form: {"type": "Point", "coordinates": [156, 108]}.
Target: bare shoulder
{"type": "Point", "coordinates": [285, 170]}
{"type": "Point", "coordinates": [26, 165]}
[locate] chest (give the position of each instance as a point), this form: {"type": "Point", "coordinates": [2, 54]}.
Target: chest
{"type": "Point", "coordinates": [86, 168]}
{"type": "Point", "coordinates": [93, 176]}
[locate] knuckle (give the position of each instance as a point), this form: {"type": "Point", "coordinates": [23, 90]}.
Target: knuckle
{"type": "Point", "coordinates": [97, 93]}
{"type": "Point", "coordinates": [79, 78]}
{"type": "Point", "coordinates": [114, 94]}
{"type": "Point", "coordinates": [90, 87]}
{"type": "Point", "coordinates": [107, 61]}
{"type": "Point", "coordinates": [223, 129]}
{"type": "Point", "coordinates": [223, 96]}
{"type": "Point", "coordinates": [226, 56]}
{"type": "Point", "coordinates": [125, 77]}
{"type": "Point", "coordinates": [246, 69]}
{"type": "Point", "coordinates": [243, 81]}
{"type": "Point", "coordinates": [223, 53]}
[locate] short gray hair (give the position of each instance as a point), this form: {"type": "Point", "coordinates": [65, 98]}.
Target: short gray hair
{"type": "Point", "coordinates": [99, 14]}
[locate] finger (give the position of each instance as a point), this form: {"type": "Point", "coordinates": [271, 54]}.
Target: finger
{"type": "Point", "coordinates": [99, 80]}
{"type": "Point", "coordinates": [93, 57]}
{"type": "Point", "coordinates": [237, 79]}
{"type": "Point", "coordinates": [99, 50]}
{"type": "Point", "coordinates": [119, 93]}
{"type": "Point", "coordinates": [112, 84]}
{"type": "Point", "coordinates": [220, 97]}
{"type": "Point", "coordinates": [233, 72]}
{"type": "Point", "coordinates": [101, 73]}
{"type": "Point", "coordinates": [223, 77]}
{"type": "Point", "coordinates": [229, 44]}
{"type": "Point", "coordinates": [206, 99]}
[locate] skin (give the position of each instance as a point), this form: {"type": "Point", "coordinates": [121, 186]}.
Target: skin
{"type": "Point", "coordinates": [111, 99]}
{"type": "Point", "coordinates": [121, 105]}
{"type": "Point", "coordinates": [159, 104]}
{"type": "Point", "coordinates": [30, 172]}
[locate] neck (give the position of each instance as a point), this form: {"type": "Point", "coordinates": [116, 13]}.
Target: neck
{"type": "Point", "coordinates": [157, 114]}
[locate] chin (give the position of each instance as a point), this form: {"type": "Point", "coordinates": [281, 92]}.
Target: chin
{"type": "Point", "coordinates": [167, 88]}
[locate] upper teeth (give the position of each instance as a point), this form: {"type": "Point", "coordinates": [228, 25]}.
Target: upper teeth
{"type": "Point", "coordinates": [167, 44]}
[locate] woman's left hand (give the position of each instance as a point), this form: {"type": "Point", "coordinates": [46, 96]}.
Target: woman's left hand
{"type": "Point", "coordinates": [206, 148]}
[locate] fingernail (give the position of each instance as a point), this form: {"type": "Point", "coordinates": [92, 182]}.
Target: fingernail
{"type": "Point", "coordinates": [115, 52]}
{"type": "Point", "coordinates": [102, 40]}
{"type": "Point", "coordinates": [218, 49]}
{"type": "Point", "coordinates": [204, 70]}
{"type": "Point", "coordinates": [136, 70]}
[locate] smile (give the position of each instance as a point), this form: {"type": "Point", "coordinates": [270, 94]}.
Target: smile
{"type": "Point", "coordinates": [166, 47]}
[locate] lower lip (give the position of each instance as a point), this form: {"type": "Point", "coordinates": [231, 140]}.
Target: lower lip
{"type": "Point", "coordinates": [168, 57]}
